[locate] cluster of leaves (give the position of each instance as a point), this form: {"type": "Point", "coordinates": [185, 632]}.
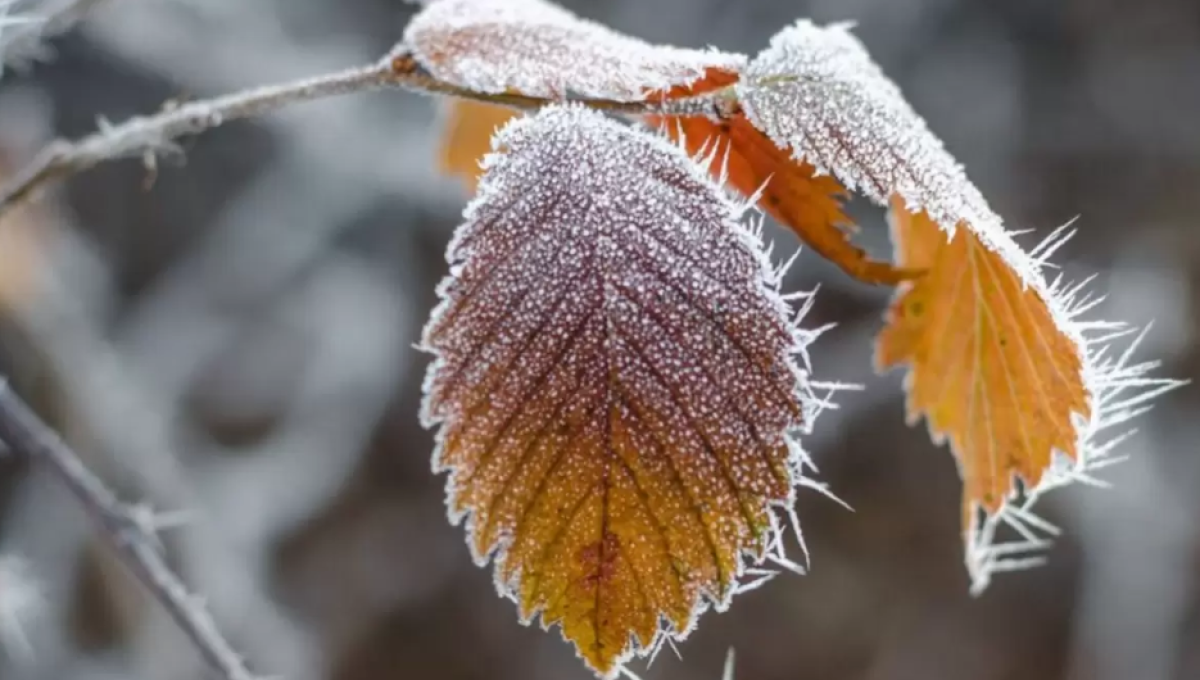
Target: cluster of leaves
{"type": "Point", "coordinates": [619, 383]}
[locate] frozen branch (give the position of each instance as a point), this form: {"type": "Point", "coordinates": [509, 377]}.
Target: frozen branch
{"type": "Point", "coordinates": [148, 136]}
{"type": "Point", "coordinates": [130, 530]}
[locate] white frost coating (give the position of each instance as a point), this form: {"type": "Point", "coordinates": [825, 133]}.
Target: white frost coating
{"type": "Point", "coordinates": [816, 90]}
{"type": "Point", "coordinates": [542, 50]}
{"type": "Point", "coordinates": [581, 222]}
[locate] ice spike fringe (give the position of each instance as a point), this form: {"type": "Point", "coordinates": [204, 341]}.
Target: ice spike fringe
{"type": "Point", "coordinates": [816, 91]}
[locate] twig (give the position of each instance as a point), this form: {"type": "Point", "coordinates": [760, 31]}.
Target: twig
{"type": "Point", "coordinates": [129, 529]}
{"type": "Point", "coordinates": [147, 136]}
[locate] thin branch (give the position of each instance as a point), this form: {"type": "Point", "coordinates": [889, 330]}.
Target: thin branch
{"type": "Point", "coordinates": [148, 136]}
{"type": "Point", "coordinates": [130, 530]}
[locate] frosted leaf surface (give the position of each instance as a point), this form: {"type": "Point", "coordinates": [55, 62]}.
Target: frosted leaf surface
{"type": "Point", "coordinates": [1001, 363]}
{"type": "Point", "coordinates": [816, 90]}
{"type": "Point", "coordinates": [542, 50]}
{"type": "Point", "coordinates": [615, 385]}
{"type": "Point", "coordinates": [1011, 374]}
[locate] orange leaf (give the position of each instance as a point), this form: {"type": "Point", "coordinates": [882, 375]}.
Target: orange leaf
{"type": "Point", "coordinates": [468, 125]}
{"type": "Point", "coordinates": [792, 192]}
{"type": "Point", "coordinates": [615, 385]}
{"type": "Point", "coordinates": [990, 367]}
{"type": "Point", "coordinates": [466, 136]}
{"type": "Point", "coordinates": [715, 78]}
{"type": "Point", "coordinates": [1000, 363]}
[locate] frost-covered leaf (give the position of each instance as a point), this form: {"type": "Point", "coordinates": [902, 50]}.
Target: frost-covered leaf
{"type": "Point", "coordinates": [1000, 366]}
{"type": "Point", "coordinates": [539, 49]}
{"type": "Point", "coordinates": [789, 190]}
{"type": "Point", "coordinates": [816, 91]}
{"type": "Point", "coordinates": [999, 362]}
{"type": "Point", "coordinates": [466, 136]}
{"type": "Point", "coordinates": [616, 385]}
{"type": "Point", "coordinates": [990, 366]}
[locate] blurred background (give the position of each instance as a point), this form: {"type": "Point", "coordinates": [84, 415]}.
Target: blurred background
{"type": "Point", "coordinates": [232, 337]}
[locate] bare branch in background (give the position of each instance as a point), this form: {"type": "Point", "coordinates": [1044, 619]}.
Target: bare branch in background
{"type": "Point", "coordinates": [24, 41]}
{"type": "Point", "coordinates": [147, 136]}
{"type": "Point", "coordinates": [21, 595]}
{"type": "Point", "coordinates": [131, 530]}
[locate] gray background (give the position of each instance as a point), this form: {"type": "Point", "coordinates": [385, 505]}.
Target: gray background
{"type": "Point", "coordinates": [236, 342]}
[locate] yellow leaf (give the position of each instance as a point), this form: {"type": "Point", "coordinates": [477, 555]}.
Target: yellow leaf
{"type": "Point", "coordinates": [990, 368]}
{"type": "Point", "coordinates": [615, 385]}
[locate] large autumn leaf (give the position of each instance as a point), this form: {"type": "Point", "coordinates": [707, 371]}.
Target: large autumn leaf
{"type": "Point", "coordinates": [615, 385]}
{"type": "Point", "coordinates": [999, 364]}
{"type": "Point", "coordinates": [538, 49]}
